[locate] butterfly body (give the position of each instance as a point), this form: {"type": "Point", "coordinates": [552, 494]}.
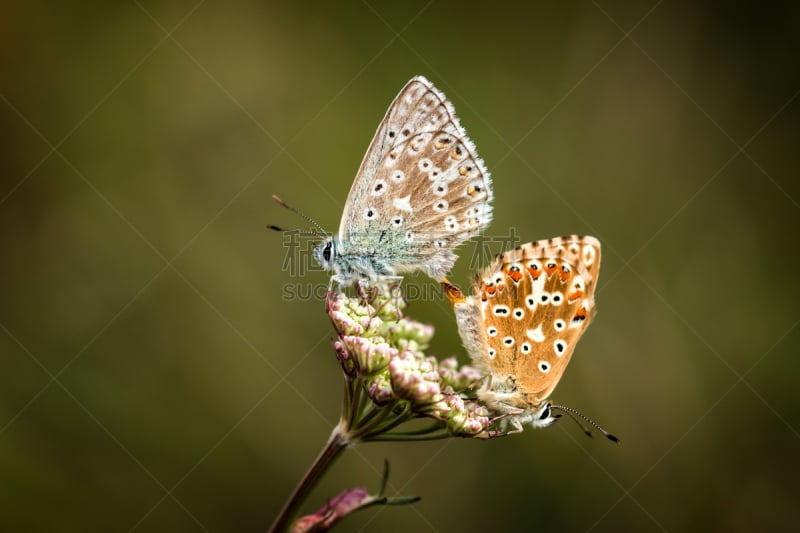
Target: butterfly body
{"type": "Point", "coordinates": [421, 190]}
{"type": "Point", "coordinates": [520, 326]}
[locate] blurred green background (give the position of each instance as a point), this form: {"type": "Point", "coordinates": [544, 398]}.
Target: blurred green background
{"type": "Point", "coordinates": [153, 376]}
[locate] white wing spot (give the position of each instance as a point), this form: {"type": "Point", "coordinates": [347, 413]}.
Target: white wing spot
{"type": "Point", "coordinates": [530, 301]}
{"type": "Point", "coordinates": [545, 297]}
{"type": "Point", "coordinates": [397, 221]}
{"type": "Point", "coordinates": [474, 211]}
{"type": "Point", "coordinates": [451, 224]}
{"type": "Point", "coordinates": [556, 298]}
{"type": "Point", "coordinates": [576, 323]}
{"type": "Point", "coordinates": [579, 285]}
{"type": "Point", "coordinates": [559, 325]}
{"type": "Point", "coordinates": [475, 191]}
{"type": "Point", "coordinates": [492, 353]}
{"type": "Point", "coordinates": [508, 341]}
{"type": "Point", "coordinates": [391, 159]}
{"type": "Point", "coordinates": [398, 176]}
{"type": "Point", "coordinates": [501, 310]}
{"type": "Point", "coordinates": [588, 255]}
{"type": "Point", "coordinates": [441, 206]}
{"type": "Point", "coordinates": [442, 142]}
{"type": "Point", "coordinates": [544, 366]}
{"type": "Point", "coordinates": [439, 188]}
{"type": "Point", "coordinates": [535, 335]}
{"type": "Point", "coordinates": [560, 347]}
{"type": "Point", "coordinates": [379, 187]}
{"type": "Point", "coordinates": [491, 331]}
{"type": "Point", "coordinates": [425, 164]}
{"type": "Point", "coordinates": [370, 213]}
{"type": "Point", "coordinates": [526, 347]}
{"type": "Point", "coordinates": [519, 314]}
{"type": "Point", "coordinates": [403, 204]}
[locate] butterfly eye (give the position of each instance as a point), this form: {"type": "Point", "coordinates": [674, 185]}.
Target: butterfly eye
{"type": "Point", "coordinates": [326, 253]}
{"type": "Point", "coordinates": [545, 412]}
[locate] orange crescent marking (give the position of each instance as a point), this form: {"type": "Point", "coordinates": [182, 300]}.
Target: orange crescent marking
{"type": "Point", "coordinates": [574, 296]}
{"type": "Point", "coordinates": [534, 273]}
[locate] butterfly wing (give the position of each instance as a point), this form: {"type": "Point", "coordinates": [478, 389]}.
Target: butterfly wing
{"type": "Point", "coordinates": [421, 189]}
{"type": "Point", "coordinates": [536, 302]}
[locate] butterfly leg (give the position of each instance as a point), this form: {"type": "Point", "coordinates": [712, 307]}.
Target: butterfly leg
{"type": "Point", "coordinates": [336, 282]}
{"type": "Point", "coordinates": [501, 429]}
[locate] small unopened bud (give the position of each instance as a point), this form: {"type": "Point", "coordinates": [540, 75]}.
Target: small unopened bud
{"type": "Point", "coordinates": [457, 377]}
{"type": "Point", "coordinates": [368, 355]}
{"type": "Point", "coordinates": [379, 388]}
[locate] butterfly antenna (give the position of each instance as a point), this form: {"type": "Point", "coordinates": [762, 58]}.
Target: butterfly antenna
{"type": "Point", "coordinates": [319, 229]}
{"type": "Point", "coordinates": [573, 414]}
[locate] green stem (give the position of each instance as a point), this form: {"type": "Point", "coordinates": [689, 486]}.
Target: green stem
{"type": "Point", "coordinates": [381, 427]}
{"type": "Point", "coordinates": [338, 441]}
{"type": "Point", "coordinates": [372, 419]}
{"type": "Point", "coordinates": [439, 426]}
{"type": "Point", "coordinates": [407, 437]}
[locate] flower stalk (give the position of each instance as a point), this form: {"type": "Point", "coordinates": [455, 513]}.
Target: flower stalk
{"type": "Point", "coordinates": [388, 382]}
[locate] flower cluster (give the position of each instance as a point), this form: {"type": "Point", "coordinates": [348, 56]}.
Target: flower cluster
{"type": "Point", "coordinates": [382, 355]}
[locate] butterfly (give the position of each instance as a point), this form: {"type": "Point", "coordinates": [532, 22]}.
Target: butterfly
{"type": "Point", "coordinates": [421, 191]}
{"type": "Point", "coordinates": [520, 326]}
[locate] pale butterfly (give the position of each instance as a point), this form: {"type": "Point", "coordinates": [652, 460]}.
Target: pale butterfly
{"type": "Point", "coordinates": [421, 191]}
{"type": "Point", "coordinates": [528, 310]}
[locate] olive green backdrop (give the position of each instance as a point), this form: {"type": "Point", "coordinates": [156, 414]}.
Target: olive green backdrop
{"type": "Point", "coordinates": [153, 376]}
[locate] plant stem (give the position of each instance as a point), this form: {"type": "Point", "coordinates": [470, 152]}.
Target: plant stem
{"type": "Point", "coordinates": [338, 441]}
